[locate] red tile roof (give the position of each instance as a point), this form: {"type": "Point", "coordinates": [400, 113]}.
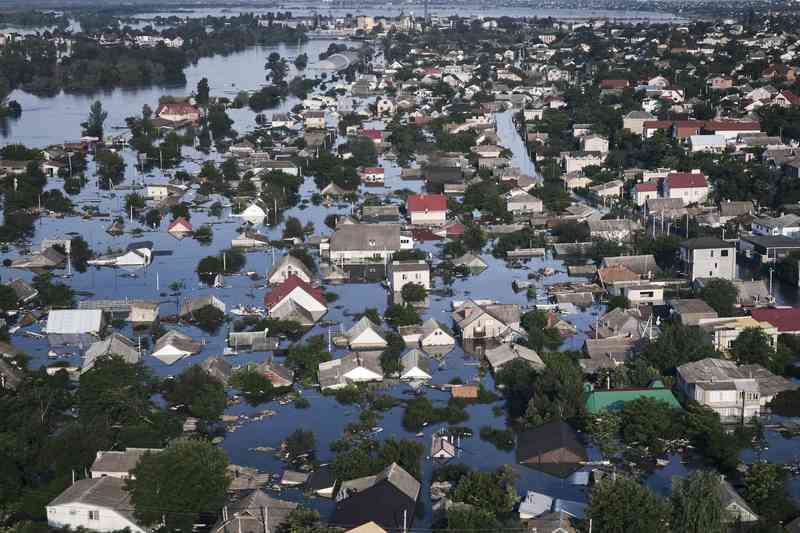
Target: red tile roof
{"type": "Point", "coordinates": [657, 124]}
{"type": "Point", "coordinates": [373, 134]}
{"type": "Point", "coordinates": [180, 222]}
{"type": "Point", "coordinates": [613, 84]}
{"type": "Point", "coordinates": [686, 180]}
{"type": "Point", "coordinates": [650, 186]}
{"type": "Point", "coordinates": [292, 282]}
{"type": "Point", "coordinates": [420, 203]}
{"type": "Point", "coordinates": [372, 170]}
{"type": "Point", "coordinates": [177, 108]}
{"type": "Point", "coordinates": [792, 98]}
{"type": "Point", "coordinates": [786, 320]}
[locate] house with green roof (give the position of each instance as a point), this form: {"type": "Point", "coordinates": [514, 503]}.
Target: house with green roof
{"type": "Point", "coordinates": [614, 399]}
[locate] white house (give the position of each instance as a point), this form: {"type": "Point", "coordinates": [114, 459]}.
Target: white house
{"type": "Point", "coordinates": [427, 209]}
{"type": "Point", "coordinates": [287, 266]}
{"type": "Point", "coordinates": [690, 187]}
{"type": "Point", "coordinates": [364, 335]}
{"type": "Point", "coordinates": [297, 300]}
{"type": "Point", "coordinates": [118, 464]}
{"type": "Point", "coordinates": [708, 257]}
{"type": "Point", "coordinates": [174, 346]}
{"type": "Point", "coordinates": [137, 255]}
{"type": "Point", "coordinates": [414, 366]}
{"type": "Point", "coordinates": [404, 272]}
{"type": "Point", "coordinates": [97, 504]}
{"type": "Point", "coordinates": [519, 201]}
{"type": "Point", "coordinates": [355, 367]}
{"type": "Point", "coordinates": [365, 243]}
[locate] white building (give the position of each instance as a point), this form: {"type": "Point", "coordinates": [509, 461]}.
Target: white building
{"type": "Point", "coordinates": [404, 272]}
{"type": "Point", "coordinates": [97, 504]}
{"type": "Point", "coordinates": [708, 257]}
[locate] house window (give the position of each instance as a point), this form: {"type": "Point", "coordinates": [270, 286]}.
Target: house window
{"type": "Point", "coordinates": [405, 277]}
{"type": "Point", "coordinates": [712, 253]}
{"type": "Point", "coordinates": [724, 253]}
{"type": "Point", "coordinates": [94, 515]}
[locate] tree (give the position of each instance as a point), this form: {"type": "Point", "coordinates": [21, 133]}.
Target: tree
{"type": "Point", "coordinates": [721, 295]}
{"type": "Point", "coordinates": [473, 238]}
{"type": "Point", "coordinates": [303, 520]}
{"type": "Point", "coordinates": [649, 422]}
{"type": "Point", "coordinates": [8, 298]}
{"type": "Point", "coordinates": [293, 229]}
{"type": "Point", "coordinates": [304, 359]}
{"type": "Point", "coordinates": [254, 386]}
{"type": "Point", "coordinates": [93, 127]}
{"type": "Point", "coordinates": [678, 344]}
{"type": "Point", "coordinates": [413, 292]}
{"type": "Point", "coordinates": [752, 346]}
{"type": "Point", "coordinates": [390, 357]}
{"type": "Point", "coordinates": [697, 504]}
{"type": "Point", "coordinates": [540, 336]}
{"type": "Point", "coordinates": [180, 210]}
{"type": "Point", "coordinates": [489, 491]}
{"type": "Point", "coordinates": [372, 314]}
{"type": "Point", "coordinates": [471, 520]}
{"type": "Point", "coordinates": [765, 490]}
{"type": "Point", "coordinates": [401, 315]}
{"type": "Point", "coordinates": [300, 442]}
{"type": "Point", "coordinates": [203, 396]}
{"type": "Point", "coordinates": [203, 92]}
{"type": "Point", "coordinates": [301, 61]}
{"type": "Point", "coordinates": [177, 485]}
{"type": "Point", "coordinates": [623, 505]}
{"type": "Point", "coordinates": [134, 202]}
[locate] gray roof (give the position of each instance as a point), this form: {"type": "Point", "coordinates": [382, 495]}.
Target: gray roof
{"type": "Point", "coordinates": [728, 495]}
{"type": "Point", "coordinates": [179, 340]}
{"type": "Point", "coordinates": [361, 326]}
{"type": "Point", "coordinates": [331, 373]}
{"type": "Point", "coordinates": [294, 263]}
{"type": "Point", "coordinates": [74, 321]}
{"type": "Point", "coordinates": [415, 359]}
{"type": "Point", "coordinates": [119, 462]}
{"type": "Point", "coordinates": [734, 209]}
{"type": "Point", "coordinates": [507, 352]}
{"type": "Point", "coordinates": [640, 264]}
{"type": "Point", "coordinates": [614, 225]}
{"type": "Point", "coordinates": [218, 368]}
{"type": "Point", "coordinates": [470, 260]}
{"type": "Point", "coordinates": [104, 492]}
{"type": "Point", "coordinates": [706, 243]}
{"type": "Point", "coordinates": [246, 513]}
{"type": "Point", "coordinates": [22, 289]}
{"type": "Point", "coordinates": [410, 266]}
{"type": "Point", "coordinates": [359, 237]}
{"type": "Point", "coordinates": [393, 474]}
{"type": "Point", "coordinates": [115, 344]}
{"type": "Point", "coordinates": [690, 306]}
{"type": "Point", "coordinates": [712, 370]}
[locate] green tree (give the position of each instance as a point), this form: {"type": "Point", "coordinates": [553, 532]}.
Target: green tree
{"type": "Point", "coordinates": [401, 315]}
{"type": "Point", "coordinates": [300, 442]}
{"type": "Point", "coordinates": [649, 422]}
{"type": "Point", "coordinates": [203, 92]}
{"type": "Point", "coordinates": [254, 385]}
{"type": "Point", "coordinates": [301, 61]}
{"type": "Point", "coordinates": [293, 229]}
{"type": "Point", "coordinates": [752, 346]}
{"type": "Point", "coordinates": [413, 292]}
{"type": "Point", "coordinates": [93, 127]}
{"type": "Point", "coordinates": [540, 336]}
{"type": "Point", "coordinates": [697, 504]}
{"type": "Point", "coordinates": [623, 505]}
{"type": "Point", "coordinates": [304, 359]}
{"type": "Point", "coordinates": [471, 520]}
{"type": "Point", "coordinates": [203, 396]}
{"type": "Point", "coordinates": [765, 491]}
{"type": "Point", "coordinates": [678, 344]}
{"type": "Point", "coordinates": [8, 298]}
{"type": "Point", "coordinates": [474, 239]}
{"type": "Point", "coordinates": [177, 485]}
{"type": "Point", "coordinates": [488, 491]}
{"type": "Point", "coordinates": [721, 295]}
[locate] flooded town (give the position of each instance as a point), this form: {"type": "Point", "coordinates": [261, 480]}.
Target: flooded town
{"type": "Point", "coordinates": [355, 267]}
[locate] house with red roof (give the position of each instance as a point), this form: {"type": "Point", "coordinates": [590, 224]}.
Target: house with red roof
{"type": "Point", "coordinates": [786, 319]}
{"type": "Point", "coordinates": [296, 300]}
{"type": "Point", "coordinates": [650, 127]}
{"type": "Point", "coordinates": [373, 175]}
{"type": "Point", "coordinates": [179, 226]}
{"type": "Point", "coordinates": [786, 98]}
{"type": "Point", "coordinates": [683, 129]}
{"type": "Point", "coordinates": [178, 112]}
{"type": "Point", "coordinates": [613, 85]}
{"type": "Point", "coordinates": [375, 136]}
{"type": "Point", "coordinates": [690, 187]}
{"type": "Point", "coordinates": [731, 129]}
{"type": "Point", "coordinates": [427, 209]}
{"type": "Point", "coordinates": [645, 191]}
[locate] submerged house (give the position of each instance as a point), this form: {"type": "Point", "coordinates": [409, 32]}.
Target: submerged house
{"type": "Point", "coordinates": [365, 335]}
{"type": "Point", "coordinates": [295, 299]}
{"type": "Point", "coordinates": [288, 266]}
{"type": "Point", "coordinates": [115, 345]}
{"type": "Point", "coordinates": [414, 366]}
{"type": "Point", "coordinates": [138, 254]}
{"type": "Point", "coordinates": [355, 367]}
{"type": "Point", "coordinates": [388, 499]}
{"type": "Point", "coordinates": [253, 511]}
{"type": "Point", "coordinates": [174, 346]}
{"type": "Point", "coordinates": [476, 319]}
{"type": "Point", "coordinates": [554, 448]}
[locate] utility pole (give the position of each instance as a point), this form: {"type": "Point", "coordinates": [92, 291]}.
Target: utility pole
{"type": "Point", "coordinates": [770, 281]}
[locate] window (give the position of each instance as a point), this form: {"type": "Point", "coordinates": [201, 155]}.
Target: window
{"type": "Point", "coordinates": [405, 277]}
{"type": "Point", "coordinates": [712, 253]}
{"type": "Point", "coordinates": [724, 253]}
{"type": "Point", "coordinates": [94, 515]}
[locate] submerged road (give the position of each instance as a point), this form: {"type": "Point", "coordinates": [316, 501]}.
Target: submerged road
{"type": "Point", "coordinates": [510, 138]}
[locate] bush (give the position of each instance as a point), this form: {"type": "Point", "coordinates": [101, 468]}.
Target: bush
{"type": "Point", "coordinates": [300, 442]}
{"type": "Point", "coordinates": [401, 315]}
{"type": "Point", "coordinates": [208, 318]}
{"type": "Point", "coordinates": [254, 386]}
{"type": "Point", "coordinates": [413, 292]}
{"type": "Point", "coordinates": [503, 439]}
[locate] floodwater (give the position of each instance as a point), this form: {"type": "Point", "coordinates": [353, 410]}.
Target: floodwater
{"type": "Point", "coordinates": [48, 121]}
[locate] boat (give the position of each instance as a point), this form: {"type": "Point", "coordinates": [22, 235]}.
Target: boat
{"type": "Point", "coordinates": [248, 310]}
{"type": "Point", "coordinates": [377, 429]}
